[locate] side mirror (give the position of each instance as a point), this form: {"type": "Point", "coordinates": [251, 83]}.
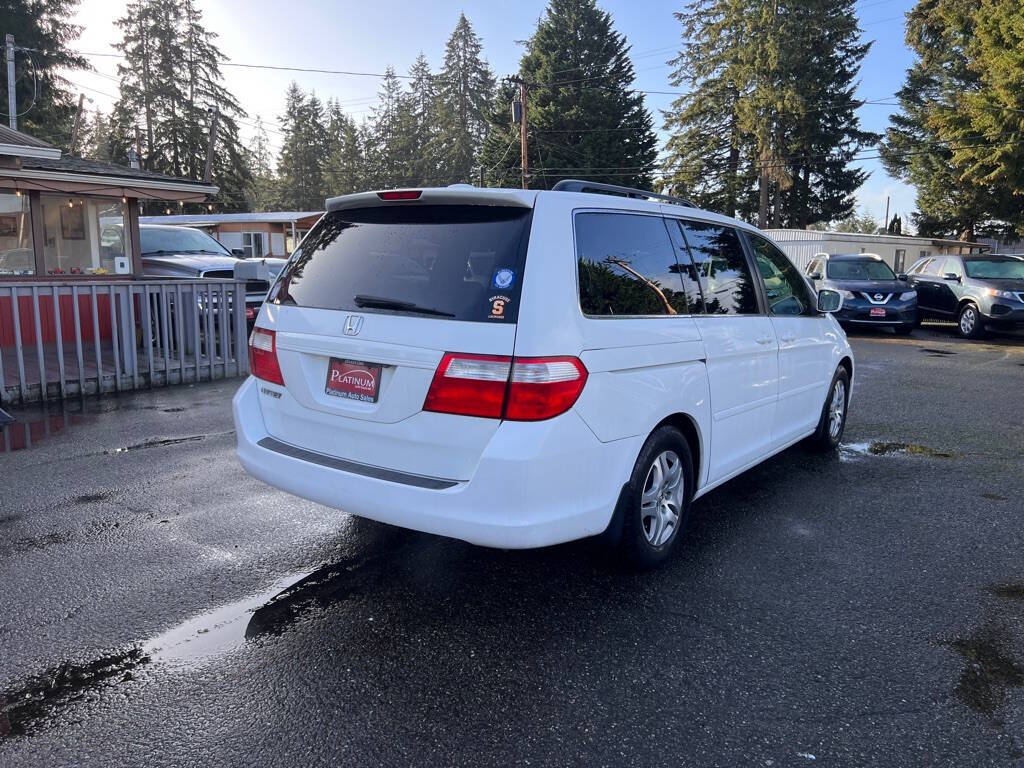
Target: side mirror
{"type": "Point", "coordinates": [902, 277]}
{"type": "Point", "coordinates": [239, 252]}
{"type": "Point", "coordinates": [952, 277]}
{"type": "Point", "coordinates": [815, 276]}
{"type": "Point", "coordinates": [829, 301]}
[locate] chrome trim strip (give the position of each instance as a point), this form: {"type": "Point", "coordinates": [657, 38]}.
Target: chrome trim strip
{"type": "Point", "coordinates": [343, 465]}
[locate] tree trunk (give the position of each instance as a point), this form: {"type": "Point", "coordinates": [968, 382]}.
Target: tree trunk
{"type": "Point", "coordinates": [762, 208]}
{"type": "Point", "coordinates": [805, 197]}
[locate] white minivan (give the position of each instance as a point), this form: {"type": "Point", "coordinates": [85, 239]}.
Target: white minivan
{"type": "Point", "coordinates": [521, 368]}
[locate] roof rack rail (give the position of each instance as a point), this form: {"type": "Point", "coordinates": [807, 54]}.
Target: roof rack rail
{"type": "Point", "coordinates": [576, 185]}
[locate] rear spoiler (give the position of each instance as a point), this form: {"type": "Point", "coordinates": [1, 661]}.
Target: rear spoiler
{"type": "Point", "coordinates": [459, 194]}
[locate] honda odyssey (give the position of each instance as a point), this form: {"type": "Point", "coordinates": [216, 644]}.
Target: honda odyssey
{"type": "Point", "coordinates": [521, 368]}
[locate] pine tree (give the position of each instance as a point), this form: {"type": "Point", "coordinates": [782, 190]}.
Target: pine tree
{"type": "Point", "coordinates": [300, 164]}
{"type": "Point", "coordinates": [96, 144]}
{"type": "Point", "coordinates": [421, 108]}
{"type": "Point", "coordinates": [343, 171]}
{"type": "Point", "coordinates": [465, 93]}
{"type": "Point", "coordinates": [389, 145]}
{"type": "Point", "coordinates": [171, 80]}
{"type": "Point", "coordinates": [768, 127]}
{"type": "Point", "coordinates": [262, 190]}
{"type": "Point", "coordinates": [44, 103]}
{"type": "Point", "coordinates": [584, 118]}
{"type": "Point", "coordinates": [957, 137]}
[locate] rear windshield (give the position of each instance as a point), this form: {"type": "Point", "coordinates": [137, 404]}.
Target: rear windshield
{"type": "Point", "coordinates": [460, 262]}
{"type": "Point", "coordinates": [859, 269]}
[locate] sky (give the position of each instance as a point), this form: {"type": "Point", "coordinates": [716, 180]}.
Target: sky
{"type": "Point", "coordinates": [367, 37]}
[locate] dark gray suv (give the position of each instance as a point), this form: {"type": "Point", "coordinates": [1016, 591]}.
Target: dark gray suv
{"type": "Point", "coordinates": [872, 293]}
{"type": "Point", "coordinates": [975, 291]}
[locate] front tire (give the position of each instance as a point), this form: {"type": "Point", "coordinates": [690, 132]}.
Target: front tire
{"type": "Point", "coordinates": [970, 323]}
{"type": "Point", "coordinates": [655, 503]}
{"type": "Point", "coordinates": [833, 414]}
{"type": "Point", "coordinates": [904, 330]}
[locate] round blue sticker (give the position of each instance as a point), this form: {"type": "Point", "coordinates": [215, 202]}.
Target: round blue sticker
{"type": "Point", "coordinates": [504, 278]}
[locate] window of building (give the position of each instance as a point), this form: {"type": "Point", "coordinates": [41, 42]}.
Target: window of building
{"type": "Point", "coordinates": [925, 254]}
{"type": "Point", "coordinates": [252, 244]}
{"type": "Point", "coordinates": [722, 266]}
{"type": "Point", "coordinates": [899, 260]}
{"type": "Point", "coordinates": [785, 290]}
{"type": "Point", "coordinates": [16, 255]}
{"type": "Point", "coordinates": [84, 236]}
{"type": "Point", "coordinates": [628, 266]}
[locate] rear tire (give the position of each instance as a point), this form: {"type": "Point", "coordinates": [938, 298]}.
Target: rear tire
{"type": "Point", "coordinates": [655, 504]}
{"type": "Point", "coordinates": [833, 414]}
{"type": "Point", "coordinates": [970, 323]}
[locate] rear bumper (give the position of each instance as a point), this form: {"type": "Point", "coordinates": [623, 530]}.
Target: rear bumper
{"type": "Point", "coordinates": [536, 483]}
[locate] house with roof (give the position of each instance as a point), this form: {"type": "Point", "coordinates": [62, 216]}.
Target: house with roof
{"type": "Point", "coordinates": [77, 315]}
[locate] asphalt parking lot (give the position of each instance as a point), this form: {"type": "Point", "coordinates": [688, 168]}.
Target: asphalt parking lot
{"type": "Point", "coordinates": [161, 608]}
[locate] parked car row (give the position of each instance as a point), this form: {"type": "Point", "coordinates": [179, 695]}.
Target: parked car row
{"type": "Point", "coordinates": [977, 291]}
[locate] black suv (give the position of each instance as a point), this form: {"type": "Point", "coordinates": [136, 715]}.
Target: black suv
{"type": "Point", "coordinates": [986, 289]}
{"type": "Point", "coordinates": [872, 293]}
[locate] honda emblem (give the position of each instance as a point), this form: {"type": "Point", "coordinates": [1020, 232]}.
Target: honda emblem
{"type": "Point", "coordinates": [353, 324]}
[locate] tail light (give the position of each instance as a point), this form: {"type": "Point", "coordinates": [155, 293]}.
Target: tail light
{"type": "Point", "coordinates": [263, 356]}
{"type": "Point", "coordinates": [495, 387]}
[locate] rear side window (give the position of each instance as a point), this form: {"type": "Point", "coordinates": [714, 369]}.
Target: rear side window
{"type": "Point", "coordinates": [723, 269]}
{"type": "Point", "coordinates": [463, 262]}
{"type": "Point", "coordinates": [627, 266]}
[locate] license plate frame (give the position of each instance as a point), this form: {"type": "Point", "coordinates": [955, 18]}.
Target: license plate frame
{"type": "Point", "coordinates": [877, 312]}
{"type": "Point", "coordinates": [353, 380]}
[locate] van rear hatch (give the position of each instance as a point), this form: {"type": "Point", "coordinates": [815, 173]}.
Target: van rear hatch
{"type": "Point", "coordinates": [363, 314]}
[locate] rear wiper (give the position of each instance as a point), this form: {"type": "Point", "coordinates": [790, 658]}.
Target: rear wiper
{"type": "Point", "coordinates": [382, 302]}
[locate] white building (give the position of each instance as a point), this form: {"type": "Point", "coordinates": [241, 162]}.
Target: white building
{"type": "Point", "coordinates": [899, 251]}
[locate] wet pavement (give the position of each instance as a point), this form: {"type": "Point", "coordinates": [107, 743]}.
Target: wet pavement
{"type": "Point", "coordinates": [161, 608]}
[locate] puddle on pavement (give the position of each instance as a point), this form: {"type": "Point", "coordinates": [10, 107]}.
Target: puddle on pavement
{"type": "Point", "coordinates": [216, 631]}
{"type": "Point", "coordinates": [993, 497]}
{"type": "Point", "coordinates": [989, 670]}
{"type": "Point", "coordinates": [30, 428]}
{"type": "Point", "coordinates": [23, 708]}
{"type": "Point", "coordinates": [850, 451]}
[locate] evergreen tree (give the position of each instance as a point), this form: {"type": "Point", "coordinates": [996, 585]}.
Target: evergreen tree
{"type": "Point", "coordinates": [171, 80]}
{"type": "Point", "coordinates": [421, 114]}
{"type": "Point", "coordinates": [957, 137]}
{"type": "Point", "coordinates": [464, 97]}
{"type": "Point", "coordinates": [343, 171]}
{"type": "Point", "coordinates": [300, 164]}
{"type": "Point", "coordinates": [44, 103]}
{"type": "Point", "coordinates": [262, 191]}
{"type": "Point", "coordinates": [584, 118]}
{"type": "Point", "coordinates": [96, 143]}
{"type": "Point", "coordinates": [390, 144]}
{"type": "Point", "coordinates": [768, 128]}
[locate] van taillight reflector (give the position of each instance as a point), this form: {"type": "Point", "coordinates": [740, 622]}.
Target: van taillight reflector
{"type": "Point", "coordinates": [495, 387]}
{"type": "Point", "coordinates": [401, 194]}
{"type": "Point", "coordinates": [263, 356]}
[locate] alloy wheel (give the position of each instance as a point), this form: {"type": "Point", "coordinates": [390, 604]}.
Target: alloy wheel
{"type": "Point", "coordinates": [837, 409]}
{"type": "Point", "coordinates": [661, 502]}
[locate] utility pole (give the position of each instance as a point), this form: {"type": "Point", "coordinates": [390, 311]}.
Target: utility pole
{"type": "Point", "coordinates": [886, 222]}
{"type": "Point", "coordinates": [12, 102]}
{"type": "Point", "coordinates": [522, 124]}
{"type": "Point", "coordinates": [208, 173]}
{"type": "Point", "coordinates": [77, 125]}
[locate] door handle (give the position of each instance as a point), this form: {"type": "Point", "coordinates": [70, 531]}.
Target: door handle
{"type": "Point", "coordinates": [764, 339]}
{"type": "Point", "coordinates": [787, 339]}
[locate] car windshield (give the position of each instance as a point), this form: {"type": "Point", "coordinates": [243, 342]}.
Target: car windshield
{"type": "Point", "coordinates": [995, 269]}
{"type": "Point", "coordinates": [178, 240]}
{"type": "Point", "coordinates": [859, 269]}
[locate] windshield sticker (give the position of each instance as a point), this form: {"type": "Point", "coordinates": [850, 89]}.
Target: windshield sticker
{"type": "Point", "coordinates": [503, 279]}
{"type": "Point", "coordinates": [498, 307]}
